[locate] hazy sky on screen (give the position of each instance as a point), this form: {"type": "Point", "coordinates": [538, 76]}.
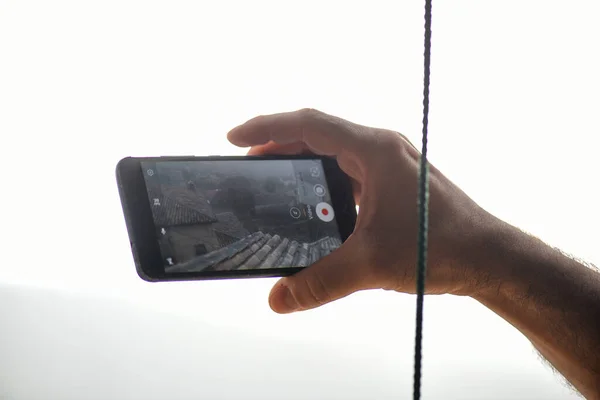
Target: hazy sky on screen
{"type": "Point", "coordinates": [514, 122]}
{"type": "Point", "coordinates": [260, 170]}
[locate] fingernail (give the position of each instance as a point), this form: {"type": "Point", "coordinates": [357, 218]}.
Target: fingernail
{"type": "Point", "coordinates": [283, 301]}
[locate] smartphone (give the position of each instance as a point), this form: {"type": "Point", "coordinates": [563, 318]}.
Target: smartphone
{"type": "Point", "coordinates": [217, 217]}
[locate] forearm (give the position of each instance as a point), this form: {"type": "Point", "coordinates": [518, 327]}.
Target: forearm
{"type": "Point", "coordinates": [550, 298]}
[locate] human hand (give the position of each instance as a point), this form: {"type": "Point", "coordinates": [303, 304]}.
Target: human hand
{"type": "Point", "coordinates": [381, 252]}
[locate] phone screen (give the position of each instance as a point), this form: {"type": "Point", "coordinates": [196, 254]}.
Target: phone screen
{"type": "Point", "coordinates": [240, 214]}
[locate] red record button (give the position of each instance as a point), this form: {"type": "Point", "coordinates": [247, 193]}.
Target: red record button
{"type": "Point", "coordinates": [325, 212]}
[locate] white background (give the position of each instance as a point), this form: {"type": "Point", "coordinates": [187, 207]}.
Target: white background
{"type": "Point", "coordinates": [514, 122]}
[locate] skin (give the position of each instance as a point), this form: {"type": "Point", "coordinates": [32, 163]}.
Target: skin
{"type": "Point", "coordinates": [552, 299]}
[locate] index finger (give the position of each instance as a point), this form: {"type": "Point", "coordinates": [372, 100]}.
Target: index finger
{"type": "Point", "coordinates": [321, 133]}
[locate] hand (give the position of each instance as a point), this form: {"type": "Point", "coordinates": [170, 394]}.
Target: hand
{"type": "Point", "coordinates": [381, 252]}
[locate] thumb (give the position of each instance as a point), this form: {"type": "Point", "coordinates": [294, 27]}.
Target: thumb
{"type": "Point", "coordinates": [335, 276]}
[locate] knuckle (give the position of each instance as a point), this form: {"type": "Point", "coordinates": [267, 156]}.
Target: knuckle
{"type": "Point", "coordinates": [387, 140]}
{"type": "Point", "coordinates": [387, 146]}
{"type": "Point", "coordinates": [309, 113]}
{"type": "Point", "coordinates": [313, 292]}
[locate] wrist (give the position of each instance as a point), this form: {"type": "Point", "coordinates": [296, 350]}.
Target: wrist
{"type": "Point", "coordinates": [512, 265]}
{"type": "Point", "coordinates": [491, 259]}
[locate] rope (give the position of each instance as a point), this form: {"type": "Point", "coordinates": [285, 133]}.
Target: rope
{"type": "Point", "coordinates": [422, 204]}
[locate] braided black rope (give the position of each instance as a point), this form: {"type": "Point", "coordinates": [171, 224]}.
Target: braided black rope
{"type": "Point", "coordinates": [423, 201]}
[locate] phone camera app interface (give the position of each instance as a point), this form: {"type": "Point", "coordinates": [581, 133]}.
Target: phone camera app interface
{"type": "Point", "coordinates": [242, 214]}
